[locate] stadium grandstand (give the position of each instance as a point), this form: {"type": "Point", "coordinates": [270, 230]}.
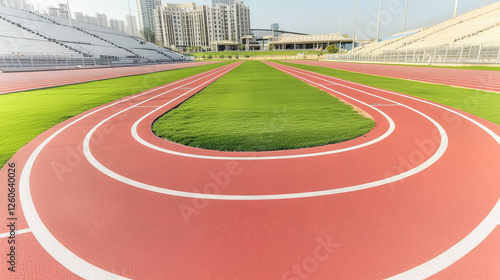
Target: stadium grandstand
{"type": "Point", "coordinates": [473, 37]}
{"type": "Point", "coordinates": [29, 39]}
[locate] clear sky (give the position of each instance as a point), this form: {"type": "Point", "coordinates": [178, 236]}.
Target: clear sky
{"type": "Point", "coordinates": [312, 16]}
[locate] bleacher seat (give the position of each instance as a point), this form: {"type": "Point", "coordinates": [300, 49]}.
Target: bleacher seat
{"type": "Point", "coordinates": [55, 36]}
{"type": "Point", "coordinates": [16, 40]}
{"type": "Point", "coordinates": [448, 33]}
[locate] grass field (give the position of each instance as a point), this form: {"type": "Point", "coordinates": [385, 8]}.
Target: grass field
{"type": "Point", "coordinates": [258, 108]}
{"type": "Point", "coordinates": [483, 104]}
{"type": "Point", "coordinates": [25, 115]}
{"type": "Point", "coordinates": [252, 54]}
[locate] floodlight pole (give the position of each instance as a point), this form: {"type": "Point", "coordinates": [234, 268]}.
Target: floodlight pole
{"type": "Point", "coordinates": [456, 9]}
{"type": "Point", "coordinates": [354, 28]}
{"type": "Point", "coordinates": [379, 14]}
{"type": "Point", "coordinates": [69, 13]}
{"type": "Point", "coordinates": [406, 15]}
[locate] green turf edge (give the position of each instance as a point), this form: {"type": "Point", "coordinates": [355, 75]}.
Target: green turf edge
{"type": "Point", "coordinates": [256, 107]}
{"type": "Point", "coordinates": [480, 103]}
{"type": "Point", "coordinates": [487, 68]}
{"type": "Point", "coordinates": [25, 115]}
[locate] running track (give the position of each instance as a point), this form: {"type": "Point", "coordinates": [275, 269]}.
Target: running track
{"type": "Point", "coordinates": [476, 79]}
{"type": "Point", "coordinates": [103, 198]}
{"type": "Point", "coordinates": [14, 82]}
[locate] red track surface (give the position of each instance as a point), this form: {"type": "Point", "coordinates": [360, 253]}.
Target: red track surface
{"type": "Point", "coordinates": [14, 82]}
{"type": "Point", "coordinates": [476, 79]}
{"type": "Point", "coordinates": [104, 198]}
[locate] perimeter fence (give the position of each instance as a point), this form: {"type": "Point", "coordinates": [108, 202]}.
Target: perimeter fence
{"type": "Point", "coordinates": [476, 54]}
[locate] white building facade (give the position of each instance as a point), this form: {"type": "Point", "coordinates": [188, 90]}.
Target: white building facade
{"type": "Point", "coordinates": [132, 26]}
{"type": "Point", "coordinates": [181, 26]}
{"type": "Point", "coordinates": [146, 8]}
{"type": "Point", "coordinates": [118, 25]}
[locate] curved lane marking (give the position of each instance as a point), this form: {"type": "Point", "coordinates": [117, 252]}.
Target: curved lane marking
{"type": "Point", "coordinates": [439, 153]}
{"type": "Point", "coordinates": [49, 243]}
{"type": "Point", "coordinates": [473, 239]}
{"type": "Point", "coordinates": [7, 234]}
{"type": "Point", "coordinates": [135, 135]}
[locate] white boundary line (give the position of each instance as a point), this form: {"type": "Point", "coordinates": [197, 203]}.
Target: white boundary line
{"type": "Point", "coordinates": [60, 253]}
{"type": "Point", "coordinates": [7, 234]}
{"type": "Point", "coordinates": [136, 136]}
{"type": "Point", "coordinates": [467, 244]}
{"type": "Point", "coordinates": [487, 130]}
{"type": "Point", "coordinates": [475, 84]}
{"type": "Point", "coordinates": [439, 153]}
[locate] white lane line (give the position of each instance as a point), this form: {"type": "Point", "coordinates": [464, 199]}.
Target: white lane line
{"type": "Point", "coordinates": [481, 84]}
{"type": "Point", "coordinates": [487, 130]}
{"type": "Point", "coordinates": [50, 244]}
{"type": "Point", "coordinates": [256, 157]}
{"type": "Point", "coordinates": [466, 245]}
{"type": "Point", "coordinates": [18, 232]}
{"type": "Point", "coordinates": [439, 153]}
{"type": "Point", "coordinates": [456, 252]}
{"type": "Point", "coordinates": [136, 136]}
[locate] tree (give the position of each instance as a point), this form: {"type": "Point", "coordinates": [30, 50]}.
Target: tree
{"type": "Point", "coordinates": [230, 57]}
{"type": "Point", "coordinates": [221, 56]}
{"type": "Point", "coordinates": [332, 49]}
{"type": "Point", "coordinates": [210, 56]}
{"type": "Point", "coordinates": [149, 34]}
{"type": "Point", "coordinates": [242, 47]}
{"type": "Point", "coordinates": [272, 47]}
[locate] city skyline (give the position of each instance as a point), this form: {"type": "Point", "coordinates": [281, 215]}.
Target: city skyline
{"type": "Point", "coordinates": [317, 17]}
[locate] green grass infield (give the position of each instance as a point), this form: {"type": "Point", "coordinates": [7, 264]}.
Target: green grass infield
{"type": "Point", "coordinates": [480, 103]}
{"type": "Point", "coordinates": [258, 108]}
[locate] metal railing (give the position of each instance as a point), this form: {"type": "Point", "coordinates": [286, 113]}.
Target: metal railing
{"type": "Point", "coordinates": [475, 54]}
{"type": "Point", "coordinates": [42, 61]}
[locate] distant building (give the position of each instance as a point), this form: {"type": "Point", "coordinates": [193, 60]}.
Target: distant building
{"type": "Point", "coordinates": [275, 26]}
{"type": "Point", "coordinates": [61, 11]}
{"type": "Point", "coordinates": [79, 17]}
{"type": "Point", "coordinates": [102, 20]}
{"type": "Point", "coordinates": [146, 8]}
{"type": "Point", "coordinates": [132, 26]}
{"type": "Point", "coordinates": [92, 20]}
{"type": "Point", "coordinates": [225, 2]}
{"type": "Point", "coordinates": [221, 27]}
{"type": "Point", "coordinates": [118, 25]}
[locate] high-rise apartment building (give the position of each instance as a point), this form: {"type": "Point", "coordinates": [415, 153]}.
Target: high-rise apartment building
{"type": "Point", "coordinates": [131, 26]}
{"type": "Point", "coordinates": [118, 25]}
{"type": "Point", "coordinates": [146, 8]}
{"type": "Point", "coordinates": [226, 2]}
{"type": "Point", "coordinates": [102, 19]}
{"type": "Point", "coordinates": [189, 25]}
